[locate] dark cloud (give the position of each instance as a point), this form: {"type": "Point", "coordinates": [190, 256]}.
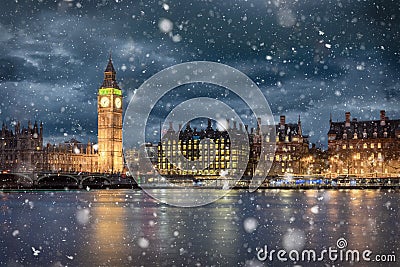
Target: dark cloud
{"type": "Point", "coordinates": [309, 57]}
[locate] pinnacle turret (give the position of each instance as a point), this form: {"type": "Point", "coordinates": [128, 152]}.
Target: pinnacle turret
{"type": "Point", "coordinates": [109, 76]}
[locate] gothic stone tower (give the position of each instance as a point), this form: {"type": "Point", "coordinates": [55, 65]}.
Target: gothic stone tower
{"type": "Point", "coordinates": [109, 112]}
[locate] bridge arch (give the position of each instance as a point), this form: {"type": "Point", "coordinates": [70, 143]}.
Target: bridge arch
{"type": "Point", "coordinates": [95, 181]}
{"type": "Point", "coordinates": [57, 181]}
{"type": "Point", "coordinates": [13, 180]}
{"type": "Point", "coordinates": [23, 177]}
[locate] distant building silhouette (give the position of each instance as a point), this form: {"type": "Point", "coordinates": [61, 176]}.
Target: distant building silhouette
{"type": "Point", "coordinates": [22, 148]}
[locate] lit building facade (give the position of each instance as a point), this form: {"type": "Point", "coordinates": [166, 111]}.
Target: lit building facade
{"type": "Point", "coordinates": [364, 148]}
{"type": "Point", "coordinates": [292, 147]}
{"type": "Point", "coordinates": [210, 148]}
{"type": "Point", "coordinates": [316, 162]}
{"type": "Point", "coordinates": [71, 156]}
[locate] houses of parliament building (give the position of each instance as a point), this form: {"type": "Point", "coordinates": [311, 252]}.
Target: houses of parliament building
{"type": "Point", "coordinates": [22, 149]}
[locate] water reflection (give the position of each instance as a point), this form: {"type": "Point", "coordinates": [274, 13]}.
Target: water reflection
{"type": "Point", "coordinates": [107, 227]}
{"type": "Point", "coordinates": [128, 228]}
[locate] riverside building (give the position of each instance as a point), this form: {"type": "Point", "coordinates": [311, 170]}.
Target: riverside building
{"type": "Point", "coordinates": [364, 148]}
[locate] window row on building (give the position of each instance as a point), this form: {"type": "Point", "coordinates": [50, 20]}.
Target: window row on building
{"type": "Point", "coordinates": [364, 148]}
{"type": "Point", "coordinates": [218, 155]}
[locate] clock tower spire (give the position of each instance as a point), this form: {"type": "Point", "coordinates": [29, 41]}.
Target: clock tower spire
{"type": "Point", "coordinates": [109, 115]}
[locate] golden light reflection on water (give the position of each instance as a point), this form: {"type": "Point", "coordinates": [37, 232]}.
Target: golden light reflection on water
{"type": "Point", "coordinates": [108, 227]}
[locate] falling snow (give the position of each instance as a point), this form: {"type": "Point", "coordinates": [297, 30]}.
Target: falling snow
{"type": "Point", "coordinates": [309, 58]}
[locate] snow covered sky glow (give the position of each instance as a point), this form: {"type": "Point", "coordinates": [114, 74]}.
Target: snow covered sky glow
{"type": "Point", "coordinates": [310, 58]}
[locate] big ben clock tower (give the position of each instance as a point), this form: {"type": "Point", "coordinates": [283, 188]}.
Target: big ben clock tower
{"type": "Point", "coordinates": [109, 112]}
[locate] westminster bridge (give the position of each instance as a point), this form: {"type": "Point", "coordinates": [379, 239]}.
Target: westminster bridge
{"type": "Point", "coordinates": [26, 180]}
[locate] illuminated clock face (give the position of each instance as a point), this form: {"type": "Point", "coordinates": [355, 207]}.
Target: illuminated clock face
{"type": "Point", "coordinates": [118, 102]}
{"type": "Point", "coordinates": [104, 101]}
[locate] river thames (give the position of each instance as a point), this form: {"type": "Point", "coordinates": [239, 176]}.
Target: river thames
{"type": "Point", "coordinates": [129, 228]}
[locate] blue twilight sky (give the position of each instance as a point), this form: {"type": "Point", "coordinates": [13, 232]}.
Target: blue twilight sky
{"type": "Point", "coordinates": [308, 57]}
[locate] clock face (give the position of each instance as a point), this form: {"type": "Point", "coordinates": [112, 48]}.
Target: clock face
{"type": "Point", "coordinates": [118, 102]}
{"type": "Point", "coordinates": [104, 101]}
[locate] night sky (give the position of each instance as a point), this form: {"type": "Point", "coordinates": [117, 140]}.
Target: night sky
{"type": "Point", "coordinates": [309, 57]}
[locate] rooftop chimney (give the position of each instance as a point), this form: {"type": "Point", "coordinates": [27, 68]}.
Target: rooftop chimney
{"type": "Point", "coordinates": [348, 116]}
{"type": "Point", "coordinates": [258, 126]}
{"type": "Point", "coordinates": [282, 120]}
{"type": "Point", "coordinates": [383, 117]}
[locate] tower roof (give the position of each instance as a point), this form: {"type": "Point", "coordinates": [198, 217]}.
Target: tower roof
{"type": "Point", "coordinates": [109, 76]}
{"type": "Point", "coordinates": [110, 66]}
